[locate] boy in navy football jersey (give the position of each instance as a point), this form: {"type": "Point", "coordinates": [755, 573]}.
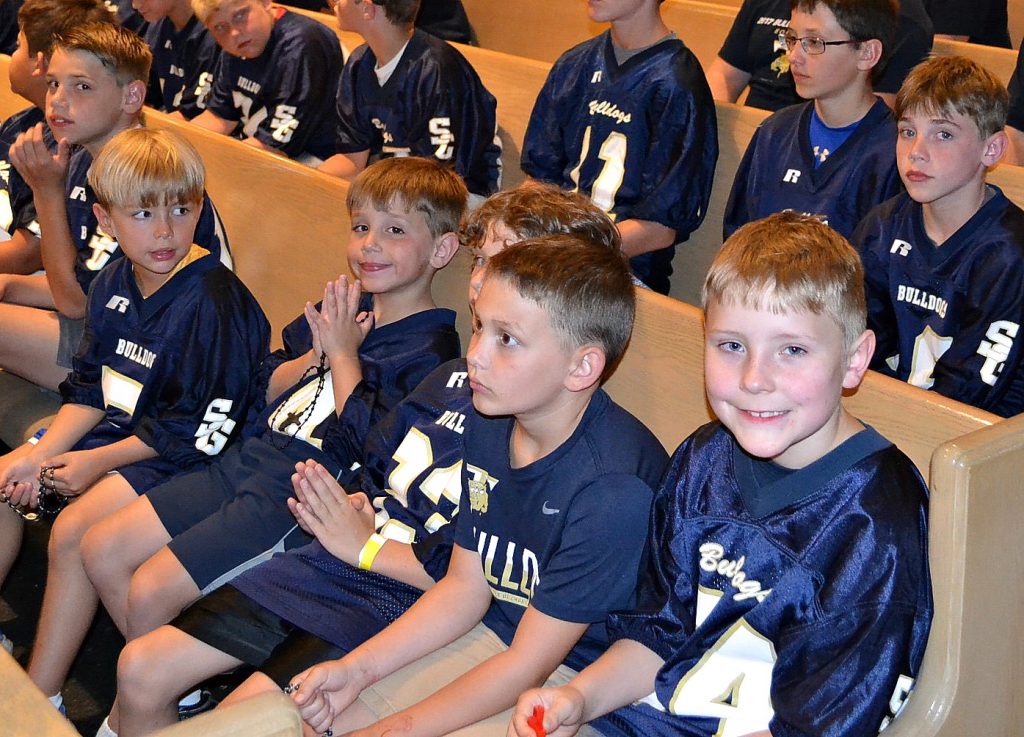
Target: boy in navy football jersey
{"type": "Point", "coordinates": [407, 93]}
{"type": "Point", "coordinates": [184, 58]}
{"type": "Point", "coordinates": [275, 83]}
{"type": "Point", "coordinates": [557, 483]}
{"type": "Point", "coordinates": [163, 376]}
{"type": "Point", "coordinates": [324, 605]}
{"type": "Point", "coordinates": [95, 89]}
{"type": "Point", "coordinates": [40, 22]}
{"type": "Point", "coordinates": [833, 157]}
{"type": "Point", "coordinates": [627, 118]}
{"type": "Point", "coordinates": [944, 261]}
{"type": "Point", "coordinates": [766, 607]}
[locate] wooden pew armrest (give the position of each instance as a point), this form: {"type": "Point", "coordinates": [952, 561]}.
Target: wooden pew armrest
{"type": "Point", "coordinates": [267, 715]}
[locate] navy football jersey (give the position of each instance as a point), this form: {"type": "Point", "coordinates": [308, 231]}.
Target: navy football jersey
{"type": "Point", "coordinates": [755, 46]}
{"type": "Point", "coordinates": [17, 209]}
{"type": "Point", "coordinates": [181, 76]}
{"type": "Point", "coordinates": [563, 534]}
{"type": "Point", "coordinates": [284, 97]}
{"type": "Point", "coordinates": [175, 369]}
{"type": "Point", "coordinates": [433, 105]}
{"type": "Point", "coordinates": [807, 618]}
{"type": "Point", "coordinates": [947, 317]}
{"type": "Point", "coordinates": [778, 171]}
{"type": "Point", "coordinates": [96, 249]}
{"type": "Point", "coordinates": [413, 476]}
{"type": "Point", "coordinates": [394, 359]}
{"type": "Point", "coordinates": [641, 138]}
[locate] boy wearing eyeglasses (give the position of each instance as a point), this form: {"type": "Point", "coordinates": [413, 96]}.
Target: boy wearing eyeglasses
{"type": "Point", "coordinates": [274, 85]}
{"type": "Point", "coordinates": [833, 157]}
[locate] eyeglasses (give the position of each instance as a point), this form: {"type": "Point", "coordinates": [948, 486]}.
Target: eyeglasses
{"type": "Point", "coordinates": [812, 44]}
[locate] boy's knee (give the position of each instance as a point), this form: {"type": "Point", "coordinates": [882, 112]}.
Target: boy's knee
{"type": "Point", "coordinates": [138, 673]}
{"type": "Point", "coordinates": [67, 532]}
{"type": "Point", "coordinates": [98, 552]}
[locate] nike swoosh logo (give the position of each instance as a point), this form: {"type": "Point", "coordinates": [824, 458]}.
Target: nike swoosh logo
{"type": "Point", "coordinates": [548, 510]}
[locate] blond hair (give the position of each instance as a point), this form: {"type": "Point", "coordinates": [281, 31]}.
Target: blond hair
{"type": "Point", "coordinates": [141, 167]}
{"type": "Point", "coordinates": [945, 84]}
{"type": "Point", "coordinates": [790, 262]}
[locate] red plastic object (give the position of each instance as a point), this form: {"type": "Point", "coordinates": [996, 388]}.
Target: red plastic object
{"type": "Point", "coordinates": [536, 721]}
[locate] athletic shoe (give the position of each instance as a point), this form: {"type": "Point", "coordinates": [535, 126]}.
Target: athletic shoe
{"type": "Point", "coordinates": [204, 704]}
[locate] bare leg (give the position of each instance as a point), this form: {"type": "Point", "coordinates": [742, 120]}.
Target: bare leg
{"type": "Point", "coordinates": [11, 526]}
{"type": "Point", "coordinates": [254, 685]}
{"type": "Point", "coordinates": [158, 592]}
{"type": "Point", "coordinates": [28, 345]}
{"type": "Point", "coordinates": [114, 548]}
{"type": "Point", "coordinates": [69, 601]}
{"type": "Point", "coordinates": [154, 671]}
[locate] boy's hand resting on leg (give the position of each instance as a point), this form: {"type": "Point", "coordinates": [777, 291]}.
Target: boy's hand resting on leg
{"type": "Point", "coordinates": [340, 521]}
{"type": "Point", "coordinates": [326, 690]}
{"type": "Point", "coordinates": [563, 712]}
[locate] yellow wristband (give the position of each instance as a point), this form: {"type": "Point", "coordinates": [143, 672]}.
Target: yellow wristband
{"type": "Point", "coordinates": [369, 552]}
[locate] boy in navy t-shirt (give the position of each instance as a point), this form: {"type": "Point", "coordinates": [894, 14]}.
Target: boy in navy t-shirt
{"type": "Point", "coordinates": [834, 156]}
{"type": "Point", "coordinates": [765, 608]}
{"type": "Point", "coordinates": [556, 486]}
{"type": "Point", "coordinates": [944, 261]}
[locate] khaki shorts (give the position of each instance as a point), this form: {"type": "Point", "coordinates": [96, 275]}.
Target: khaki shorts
{"type": "Point", "coordinates": [429, 674]}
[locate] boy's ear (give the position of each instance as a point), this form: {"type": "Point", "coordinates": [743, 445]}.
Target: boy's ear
{"type": "Point", "coordinates": [586, 369]}
{"type": "Point", "coordinates": [995, 148]}
{"type": "Point", "coordinates": [859, 359]}
{"type": "Point", "coordinates": [104, 219]}
{"type": "Point", "coordinates": [444, 251]}
{"type": "Point", "coordinates": [42, 64]}
{"type": "Point", "coordinates": [133, 96]}
{"type": "Point", "coordinates": [869, 54]}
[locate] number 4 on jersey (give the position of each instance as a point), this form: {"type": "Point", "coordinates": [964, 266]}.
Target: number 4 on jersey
{"type": "Point", "coordinates": [732, 682]}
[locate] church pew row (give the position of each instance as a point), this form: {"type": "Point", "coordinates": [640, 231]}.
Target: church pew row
{"type": "Point", "coordinates": [703, 26]}
{"type": "Point", "coordinates": [281, 216]}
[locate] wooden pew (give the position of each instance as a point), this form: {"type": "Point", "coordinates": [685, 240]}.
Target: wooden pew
{"type": "Point", "coordinates": [280, 215]}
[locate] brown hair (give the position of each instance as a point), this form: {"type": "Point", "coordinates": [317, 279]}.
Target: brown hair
{"type": "Point", "coordinates": [43, 20]}
{"type": "Point", "coordinates": [122, 53]}
{"type": "Point", "coordinates": [944, 84]}
{"type": "Point", "coordinates": [786, 262]}
{"type": "Point", "coordinates": [863, 20]}
{"type": "Point", "coordinates": [585, 288]}
{"type": "Point", "coordinates": [412, 183]}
